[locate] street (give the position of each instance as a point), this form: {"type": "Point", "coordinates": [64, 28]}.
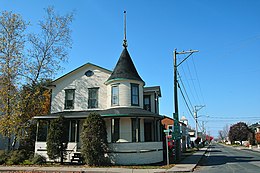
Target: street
{"type": "Point", "coordinates": [226, 159]}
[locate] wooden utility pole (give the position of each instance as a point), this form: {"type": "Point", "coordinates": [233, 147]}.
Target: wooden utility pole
{"type": "Point", "coordinates": [177, 141]}
{"type": "Point", "coordinates": [196, 109]}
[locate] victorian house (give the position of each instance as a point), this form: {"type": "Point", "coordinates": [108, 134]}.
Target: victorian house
{"type": "Point", "coordinates": [130, 110]}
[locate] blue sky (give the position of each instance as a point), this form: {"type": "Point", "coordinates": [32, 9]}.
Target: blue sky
{"type": "Point", "coordinates": [223, 75]}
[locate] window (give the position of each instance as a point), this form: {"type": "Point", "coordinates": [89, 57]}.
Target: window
{"type": "Point", "coordinates": [115, 95]}
{"type": "Point", "coordinates": [147, 102]}
{"type": "Point", "coordinates": [135, 94]}
{"type": "Point", "coordinates": [93, 98]}
{"type": "Point", "coordinates": [115, 125]}
{"type": "Point", "coordinates": [135, 130]}
{"type": "Point", "coordinates": [89, 73]}
{"type": "Point", "coordinates": [69, 98]}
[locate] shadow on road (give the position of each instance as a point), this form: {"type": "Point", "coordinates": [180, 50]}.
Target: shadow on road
{"type": "Point", "coordinates": [218, 157]}
{"type": "Point", "coordinates": [221, 159]}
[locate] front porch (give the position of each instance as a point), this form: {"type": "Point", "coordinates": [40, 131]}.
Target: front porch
{"type": "Point", "coordinates": [127, 153]}
{"type": "Point", "coordinates": [132, 139]}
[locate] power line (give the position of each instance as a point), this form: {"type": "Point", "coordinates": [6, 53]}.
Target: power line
{"type": "Point", "coordinates": [186, 102]}
{"type": "Point", "coordinates": [193, 84]}
{"type": "Point", "coordinates": [184, 89]}
{"type": "Point", "coordinates": [188, 83]}
{"type": "Point", "coordinates": [198, 81]}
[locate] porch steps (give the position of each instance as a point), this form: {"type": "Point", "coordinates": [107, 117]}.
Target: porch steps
{"type": "Point", "coordinates": [77, 158]}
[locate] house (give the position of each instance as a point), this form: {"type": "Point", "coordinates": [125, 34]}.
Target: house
{"type": "Point", "coordinates": [130, 110]}
{"type": "Point", "coordinates": [255, 131]}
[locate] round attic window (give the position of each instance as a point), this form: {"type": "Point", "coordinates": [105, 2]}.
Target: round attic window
{"type": "Point", "coordinates": [89, 73]}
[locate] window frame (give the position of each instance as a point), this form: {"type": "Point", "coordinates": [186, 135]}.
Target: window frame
{"type": "Point", "coordinates": [133, 96]}
{"type": "Point", "coordinates": [66, 106]}
{"type": "Point", "coordinates": [90, 106]}
{"type": "Point", "coordinates": [114, 94]}
{"type": "Point", "coordinates": [149, 105]}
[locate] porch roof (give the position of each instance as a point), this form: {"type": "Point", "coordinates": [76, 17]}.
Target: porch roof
{"type": "Point", "coordinates": [113, 112]}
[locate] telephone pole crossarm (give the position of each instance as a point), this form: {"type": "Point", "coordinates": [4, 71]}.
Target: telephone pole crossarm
{"type": "Point", "coordinates": [190, 52]}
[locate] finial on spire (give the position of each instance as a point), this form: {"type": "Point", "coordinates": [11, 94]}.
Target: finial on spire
{"type": "Point", "coordinates": [125, 41]}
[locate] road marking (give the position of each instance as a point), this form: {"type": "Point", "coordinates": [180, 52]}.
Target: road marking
{"type": "Point", "coordinates": [208, 152]}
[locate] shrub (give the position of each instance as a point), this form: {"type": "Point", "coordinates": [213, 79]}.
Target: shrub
{"type": "Point", "coordinates": [16, 157]}
{"type": "Point", "coordinates": [3, 157]}
{"type": "Point", "coordinates": [57, 139]}
{"type": "Point", "coordinates": [27, 162]}
{"type": "Point", "coordinates": [38, 159]}
{"type": "Point", "coordinates": [94, 140]}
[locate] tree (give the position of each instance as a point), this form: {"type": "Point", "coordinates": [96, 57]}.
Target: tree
{"type": "Point", "coordinates": [223, 134]}
{"type": "Point", "coordinates": [20, 101]}
{"type": "Point", "coordinates": [238, 132]}
{"type": "Point", "coordinates": [50, 47]}
{"type": "Point", "coordinates": [35, 101]}
{"type": "Point", "coordinates": [12, 39]}
{"type": "Point", "coordinates": [57, 139]}
{"type": "Point", "coordinates": [220, 135]}
{"type": "Point", "coordinates": [46, 52]}
{"type": "Point", "coordinates": [94, 140]}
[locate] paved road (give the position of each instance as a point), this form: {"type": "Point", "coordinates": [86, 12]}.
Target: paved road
{"type": "Point", "coordinates": [226, 159]}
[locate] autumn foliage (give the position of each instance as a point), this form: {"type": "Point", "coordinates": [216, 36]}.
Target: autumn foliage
{"type": "Point", "coordinates": [27, 62]}
{"type": "Point", "coordinates": [257, 137]}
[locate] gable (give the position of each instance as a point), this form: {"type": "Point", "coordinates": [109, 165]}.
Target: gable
{"type": "Point", "coordinates": [80, 80]}
{"type": "Point", "coordinates": [82, 70]}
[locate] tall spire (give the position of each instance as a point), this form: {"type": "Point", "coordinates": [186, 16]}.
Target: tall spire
{"type": "Point", "coordinates": [125, 41]}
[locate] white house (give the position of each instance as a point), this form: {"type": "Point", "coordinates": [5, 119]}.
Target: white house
{"type": "Point", "coordinates": [130, 110]}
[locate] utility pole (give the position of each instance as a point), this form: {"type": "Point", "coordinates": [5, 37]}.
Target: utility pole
{"type": "Point", "coordinates": [196, 109]}
{"type": "Point", "coordinates": [176, 114]}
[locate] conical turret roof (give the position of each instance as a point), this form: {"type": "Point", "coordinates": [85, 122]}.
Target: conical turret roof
{"type": "Point", "coordinates": [125, 68]}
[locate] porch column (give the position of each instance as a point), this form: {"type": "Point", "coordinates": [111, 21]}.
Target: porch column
{"type": "Point", "coordinates": [37, 131]}
{"type": "Point", "coordinates": [137, 125]}
{"type": "Point", "coordinates": [76, 131]}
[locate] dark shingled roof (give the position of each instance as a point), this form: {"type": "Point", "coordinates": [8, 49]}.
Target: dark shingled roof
{"type": "Point", "coordinates": [125, 68]}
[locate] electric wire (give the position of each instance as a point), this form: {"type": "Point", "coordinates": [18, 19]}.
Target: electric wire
{"type": "Point", "coordinates": [185, 101]}
{"type": "Point", "coordinates": [193, 84]}
{"type": "Point", "coordinates": [201, 93]}
{"type": "Point", "coordinates": [185, 95]}
{"type": "Point", "coordinates": [184, 89]}
{"type": "Point", "coordinates": [188, 83]}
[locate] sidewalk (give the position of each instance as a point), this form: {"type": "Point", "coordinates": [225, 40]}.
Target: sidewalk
{"type": "Point", "coordinates": [186, 165]}
{"type": "Point", "coordinates": [253, 148]}
{"type": "Point", "coordinates": [189, 163]}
